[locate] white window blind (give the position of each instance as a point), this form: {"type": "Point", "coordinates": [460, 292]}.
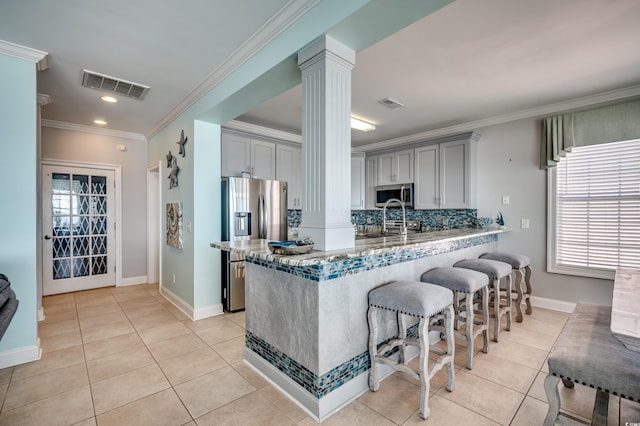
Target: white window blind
{"type": "Point", "coordinates": [597, 209]}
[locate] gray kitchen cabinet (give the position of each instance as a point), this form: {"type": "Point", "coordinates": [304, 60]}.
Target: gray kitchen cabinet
{"type": "Point", "coordinates": [358, 186]}
{"type": "Point", "coordinates": [395, 167]}
{"type": "Point", "coordinates": [243, 153]}
{"type": "Point", "coordinates": [445, 175]}
{"type": "Point", "coordinates": [289, 169]}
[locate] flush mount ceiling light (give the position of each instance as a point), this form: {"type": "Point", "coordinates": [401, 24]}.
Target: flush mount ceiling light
{"type": "Point", "coordinates": [100, 122]}
{"type": "Point", "coordinates": [363, 126]}
{"type": "Point", "coordinates": [391, 103]}
{"type": "Point", "coordinates": [109, 99]}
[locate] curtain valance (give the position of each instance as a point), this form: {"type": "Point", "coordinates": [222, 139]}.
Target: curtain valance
{"type": "Point", "coordinates": [612, 123]}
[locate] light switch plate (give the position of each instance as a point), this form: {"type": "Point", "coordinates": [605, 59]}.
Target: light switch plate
{"type": "Point", "coordinates": [524, 223]}
{"type": "Point", "coordinates": [506, 200]}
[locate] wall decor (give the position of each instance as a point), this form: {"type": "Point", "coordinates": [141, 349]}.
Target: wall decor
{"type": "Point", "coordinates": [181, 143]}
{"type": "Point", "coordinates": [174, 225]}
{"type": "Point", "coordinates": [173, 175]}
{"type": "Point", "coordinates": [169, 158]}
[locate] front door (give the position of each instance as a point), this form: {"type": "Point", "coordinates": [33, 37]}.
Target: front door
{"type": "Point", "coordinates": [78, 226]}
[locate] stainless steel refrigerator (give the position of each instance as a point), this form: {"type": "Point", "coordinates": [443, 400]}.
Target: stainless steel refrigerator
{"type": "Point", "coordinates": [251, 209]}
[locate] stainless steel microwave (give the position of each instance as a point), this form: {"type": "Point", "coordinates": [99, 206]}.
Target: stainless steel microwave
{"type": "Point", "coordinates": [402, 192]}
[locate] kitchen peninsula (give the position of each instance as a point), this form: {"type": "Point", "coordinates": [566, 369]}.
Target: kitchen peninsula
{"type": "Point", "coordinates": [306, 323]}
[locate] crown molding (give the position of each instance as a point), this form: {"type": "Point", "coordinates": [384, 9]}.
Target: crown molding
{"type": "Point", "coordinates": [564, 106]}
{"type": "Point", "coordinates": [241, 126]}
{"type": "Point", "coordinates": [39, 57]}
{"type": "Point", "coordinates": [43, 100]}
{"type": "Point", "coordinates": [90, 129]}
{"type": "Point", "coordinates": [283, 19]}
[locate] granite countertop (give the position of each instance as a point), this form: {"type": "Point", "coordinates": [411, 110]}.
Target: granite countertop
{"type": "Point", "coordinates": [363, 247]}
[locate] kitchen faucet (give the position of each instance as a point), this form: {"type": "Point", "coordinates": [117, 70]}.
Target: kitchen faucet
{"type": "Point", "coordinates": [403, 229]}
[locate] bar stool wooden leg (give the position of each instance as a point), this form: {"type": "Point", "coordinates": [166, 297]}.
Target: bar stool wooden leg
{"type": "Point", "coordinates": [425, 378]}
{"type": "Point", "coordinates": [527, 282]}
{"type": "Point", "coordinates": [485, 318]}
{"type": "Point", "coordinates": [372, 317]}
{"type": "Point", "coordinates": [518, 289]}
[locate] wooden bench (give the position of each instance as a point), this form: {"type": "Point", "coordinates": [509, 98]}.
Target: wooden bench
{"type": "Point", "coordinates": [587, 353]}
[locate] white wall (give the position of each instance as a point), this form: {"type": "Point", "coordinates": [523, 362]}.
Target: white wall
{"type": "Point", "coordinates": [508, 164]}
{"type": "Point", "coordinates": [79, 146]}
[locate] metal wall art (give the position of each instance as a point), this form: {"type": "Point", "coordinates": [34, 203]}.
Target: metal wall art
{"type": "Point", "coordinates": [181, 143]}
{"type": "Point", "coordinates": [174, 225]}
{"type": "Point", "coordinates": [172, 161]}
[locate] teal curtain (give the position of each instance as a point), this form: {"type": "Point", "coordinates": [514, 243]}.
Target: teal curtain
{"type": "Point", "coordinates": [611, 123]}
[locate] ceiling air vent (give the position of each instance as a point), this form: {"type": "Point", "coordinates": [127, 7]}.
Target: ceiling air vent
{"type": "Point", "coordinates": [391, 103]}
{"type": "Point", "coordinates": [94, 80]}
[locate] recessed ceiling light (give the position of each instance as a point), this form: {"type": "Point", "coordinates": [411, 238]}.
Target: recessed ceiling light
{"type": "Point", "coordinates": [109, 99]}
{"type": "Point", "coordinates": [391, 103]}
{"type": "Point", "coordinates": [363, 126]}
{"type": "Point", "coordinates": [101, 122]}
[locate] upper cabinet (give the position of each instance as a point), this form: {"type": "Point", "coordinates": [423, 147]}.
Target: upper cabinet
{"type": "Point", "coordinates": [446, 175]}
{"type": "Point", "coordinates": [371, 177]}
{"type": "Point", "coordinates": [288, 168]}
{"type": "Point", "coordinates": [243, 153]}
{"type": "Point", "coordinates": [357, 182]}
{"type": "Point", "coordinates": [395, 167]}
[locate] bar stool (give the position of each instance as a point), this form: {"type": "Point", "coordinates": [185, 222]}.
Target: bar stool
{"type": "Point", "coordinates": [521, 265]}
{"type": "Point", "coordinates": [428, 302]}
{"type": "Point", "coordinates": [471, 284]}
{"type": "Point", "coordinates": [495, 270]}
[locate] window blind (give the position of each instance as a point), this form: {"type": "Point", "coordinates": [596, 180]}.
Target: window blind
{"type": "Point", "coordinates": [598, 207]}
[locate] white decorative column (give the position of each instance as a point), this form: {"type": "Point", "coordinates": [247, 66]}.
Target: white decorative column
{"type": "Point", "coordinates": [326, 144]}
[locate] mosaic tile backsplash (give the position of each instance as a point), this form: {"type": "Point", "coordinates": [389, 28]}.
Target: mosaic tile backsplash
{"type": "Point", "coordinates": [452, 218]}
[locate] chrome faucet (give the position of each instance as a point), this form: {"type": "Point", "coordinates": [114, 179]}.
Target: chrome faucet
{"type": "Point", "coordinates": [403, 229]}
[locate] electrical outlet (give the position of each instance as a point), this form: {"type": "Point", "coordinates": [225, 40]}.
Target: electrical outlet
{"type": "Point", "coordinates": [445, 221]}
{"type": "Point", "coordinates": [524, 223]}
{"type": "Point", "coordinates": [174, 278]}
{"type": "Point", "coordinates": [506, 200]}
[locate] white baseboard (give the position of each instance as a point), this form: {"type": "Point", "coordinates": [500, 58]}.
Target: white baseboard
{"type": "Point", "coordinates": [187, 309]}
{"type": "Point", "coordinates": [323, 408]}
{"type": "Point", "coordinates": [553, 304]}
{"type": "Point", "coordinates": [142, 279]}
{"type": "Point", "coordinates": [20, 355]}
{"type": "Point", "coordinates": [209, 311]}
{"type": "Point", "coordinates": [40, 314]}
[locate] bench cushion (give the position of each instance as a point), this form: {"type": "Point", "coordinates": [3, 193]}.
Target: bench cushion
{"type": "Point", "coordinates": [494, 269]}
{"type": "Point", "coordinates": [586, 352]}
{"type": "Point", "coordinates": [411, 298]}
{"type": "Point", "coordinates": [517, 261]}
{"type": "Point", "coordinates": [456, 279]}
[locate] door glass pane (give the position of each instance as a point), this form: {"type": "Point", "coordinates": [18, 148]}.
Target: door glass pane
{"type": "Point", "coordinates": [99, 245]}
{"type": "Point", "coordinates": [81, 267]}
{"type": "Point", "coordinates": [61, 269]}
{"type": "Point", "coordinates": [80, 225]}
{"type": "Point", "coordinates": [99, 265]}
{"type": "Point", "coordinates": [61, 247]}
{"type": "Point", "coordinates": [81, 246]}
{"type": "Point", "coordinates": [81, 204]}
{"type": "Point", "coordinates": [99, 225]}
{"type": "Point", "coordinates": [98, 185]}
{"type": "Point", "coordinates": [80, 184]}
{"type": "Point", "coordinates": [98, 205]}
{"type": "Point", "coordinates": [61, 226]}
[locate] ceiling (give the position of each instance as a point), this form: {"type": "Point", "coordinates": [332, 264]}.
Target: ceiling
{"type": "Point", "coordinates": [470, 62]}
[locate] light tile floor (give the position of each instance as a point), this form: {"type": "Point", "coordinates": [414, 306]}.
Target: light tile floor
{"type": "Point", "coordinates": [118, 356]}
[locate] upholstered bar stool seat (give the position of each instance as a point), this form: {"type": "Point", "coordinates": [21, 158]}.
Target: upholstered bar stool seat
{"type": "Point", "coordinates": [496, 271]}
{"type": "Point", "coordinates": [470, 284]}
{"type": "Point", "coordinates": [428, 302]}
{"type": "Point", "coordinates": [521, 266]}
